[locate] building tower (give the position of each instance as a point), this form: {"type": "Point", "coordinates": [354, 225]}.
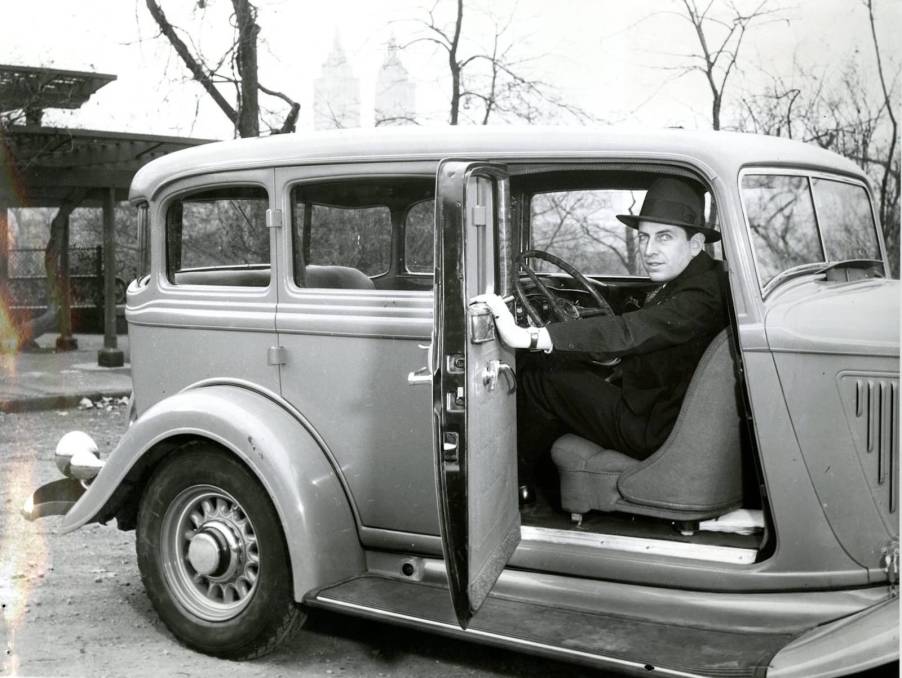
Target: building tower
{"type": "Point", "coordinates": [336, 93]}
{"type": "Point", "coordinates": [395, 100]}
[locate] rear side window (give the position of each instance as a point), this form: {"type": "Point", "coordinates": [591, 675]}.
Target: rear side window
{"type": "Point", "coordinates": [367, 233]}
{"type": "Point", "coordinates": [419, 224]}
{"type": "Point", "coordinates": [219, 237]}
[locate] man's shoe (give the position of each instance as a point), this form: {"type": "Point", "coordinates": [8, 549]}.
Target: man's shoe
{"type": "Point", "coordinates": [526, 495]}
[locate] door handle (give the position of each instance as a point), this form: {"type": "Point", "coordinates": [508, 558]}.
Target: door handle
{"type": "Point", "coordinates": [490, 375]}
{"type": "Point", "coordinates": [421, 375]}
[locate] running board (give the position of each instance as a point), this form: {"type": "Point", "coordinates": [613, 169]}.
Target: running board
{"type": "Point", "coordinates": [606, 641]}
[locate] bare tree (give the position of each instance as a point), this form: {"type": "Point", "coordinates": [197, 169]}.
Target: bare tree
{"type": "Point", "coordinates": [237, 68]}
{"type": "Point", "coordinates": [493, 80]}
{"type": "Point", "coordinates": [842, 114]}
{"type": "Point", "coordinates": [889, 160]}
{"type": "Point", "coordinates": [719, 44]}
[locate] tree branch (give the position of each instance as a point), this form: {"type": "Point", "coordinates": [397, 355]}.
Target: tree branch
{"type": "Point", "coordinates": [197, 71]}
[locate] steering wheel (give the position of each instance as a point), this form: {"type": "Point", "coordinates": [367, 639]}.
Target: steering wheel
{"type": "Point", "coordinates": [604, 308]}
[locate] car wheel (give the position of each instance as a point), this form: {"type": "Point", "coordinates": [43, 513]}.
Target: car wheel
{"type": "Point", "coordinates": [213, 557]}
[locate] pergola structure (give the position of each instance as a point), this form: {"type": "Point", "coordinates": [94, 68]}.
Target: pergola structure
{"type": "Point", "coordinates": [52, 166]}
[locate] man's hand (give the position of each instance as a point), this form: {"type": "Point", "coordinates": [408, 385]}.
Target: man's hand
{"type": "Point", "coordinates": [512, 334]}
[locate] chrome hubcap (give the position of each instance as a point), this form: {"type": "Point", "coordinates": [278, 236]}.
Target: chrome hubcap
{"type": "Point", "coordinates": [210, 554]}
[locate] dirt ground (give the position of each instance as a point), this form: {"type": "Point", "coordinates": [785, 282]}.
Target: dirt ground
{"type": "Point", "coordinates": [74, 605]}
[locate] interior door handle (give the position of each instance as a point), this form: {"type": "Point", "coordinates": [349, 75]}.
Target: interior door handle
{"type": "Point", "coordinates": [490, 375]}
{"type": "Point", "coordinates": [421, 375]}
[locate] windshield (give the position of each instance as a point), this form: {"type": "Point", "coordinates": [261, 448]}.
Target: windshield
{"type": "Point", "coordinates": [797, 221]}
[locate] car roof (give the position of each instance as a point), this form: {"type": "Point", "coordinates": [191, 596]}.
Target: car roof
{"type": "Point", "coordinates": [716, 153]}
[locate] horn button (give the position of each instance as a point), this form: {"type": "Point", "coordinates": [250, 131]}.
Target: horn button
{"type": "Point", "coordinates": [214, 551]}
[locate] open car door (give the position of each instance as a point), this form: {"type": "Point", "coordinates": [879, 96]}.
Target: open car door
{"type": "Point", "coordinates": [474, 401]}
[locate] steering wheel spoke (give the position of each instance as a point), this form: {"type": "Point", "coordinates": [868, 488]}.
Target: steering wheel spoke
{"type": "Point", "coordinates": [562, 309]}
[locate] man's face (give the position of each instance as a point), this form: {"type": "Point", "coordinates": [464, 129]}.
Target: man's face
{"type": "Point", "coordinates": [666, 250]}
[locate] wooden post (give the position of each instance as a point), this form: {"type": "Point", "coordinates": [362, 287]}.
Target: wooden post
{"type": "Point", "coordinates": [109, 355]}
{"type": "Point", "coordinates": [4, 244]}
{"type": "Point", "coordinates": [65, 341]}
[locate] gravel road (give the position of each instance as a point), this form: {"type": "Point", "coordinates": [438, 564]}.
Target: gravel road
{"type": "Point", "coordinates": [74, 605]}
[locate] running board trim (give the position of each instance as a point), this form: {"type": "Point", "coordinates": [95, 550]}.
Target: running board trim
{"type": "Point", "coordinates": [659, 547]}
{"type": "Point", "coordinates": [490, 638]}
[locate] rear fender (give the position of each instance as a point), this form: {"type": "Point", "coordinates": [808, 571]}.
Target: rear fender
{"type": "Point", "coordinates": [317, 519]}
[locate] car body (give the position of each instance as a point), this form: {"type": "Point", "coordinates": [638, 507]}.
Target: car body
{"type": "Point", "coordinates": [303, 324]}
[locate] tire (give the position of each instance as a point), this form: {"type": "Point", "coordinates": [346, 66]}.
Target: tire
{"type": "Point", "coordinates": [213, 557]}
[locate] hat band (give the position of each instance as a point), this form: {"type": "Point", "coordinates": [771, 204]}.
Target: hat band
{"type": "Point", "coordinates": [668, 209]}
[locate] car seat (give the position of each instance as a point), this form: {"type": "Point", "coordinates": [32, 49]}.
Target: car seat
{"type": "Point", "coordinates": [696, 474]}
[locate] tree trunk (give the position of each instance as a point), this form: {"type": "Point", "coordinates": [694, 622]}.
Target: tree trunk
{"type": "Point", "coordinates": [49, 319]}
{"type": "Point", "coordinates": [454, 66]}
{"type": "Point", "coordinates": [246, 62]}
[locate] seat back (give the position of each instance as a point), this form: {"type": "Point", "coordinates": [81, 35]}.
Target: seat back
{"type": "Point", "coordinates": [699, 466]}
{"type": "Point", "coordinates": [336, 277]}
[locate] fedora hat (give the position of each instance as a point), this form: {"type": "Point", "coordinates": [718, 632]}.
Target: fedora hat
{"type": "Point", "coordinates": [676, 202]}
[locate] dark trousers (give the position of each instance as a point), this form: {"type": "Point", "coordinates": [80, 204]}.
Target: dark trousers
{"type": "Point", "coordinates": [567, 393]}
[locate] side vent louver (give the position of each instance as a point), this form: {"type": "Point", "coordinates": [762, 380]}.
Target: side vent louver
{"type": "Point", "coordinates": [876, 426]}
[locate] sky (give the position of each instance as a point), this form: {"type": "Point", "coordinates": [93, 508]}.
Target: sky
{"type": "Point", "coordinates": [609, 57]}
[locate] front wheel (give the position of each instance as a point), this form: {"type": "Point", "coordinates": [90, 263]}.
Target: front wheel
{"type": "Point", "coordinates": [213, 557]}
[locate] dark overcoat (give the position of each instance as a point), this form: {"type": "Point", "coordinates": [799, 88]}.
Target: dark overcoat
{"type": "Point", "coordinates": [660, 346]}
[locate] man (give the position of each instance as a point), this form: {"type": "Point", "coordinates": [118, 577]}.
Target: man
{"type": "Point", "coordinates": [633, 409]}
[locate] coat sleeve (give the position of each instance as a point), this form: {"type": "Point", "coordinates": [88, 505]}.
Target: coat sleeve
{"type": "Point", "coordinates": [695, 311]}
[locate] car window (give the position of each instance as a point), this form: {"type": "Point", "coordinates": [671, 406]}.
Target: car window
{"type": "Point", "coordinates": [219, 237]}
{"type": "Point", "coordinates": [581, 227]}
{"type": "Point", "coordinates": [846, 220]}
{"type": "Point", "coordinates": [796, 220]}
{"type": "Point", "coordinates": [352, 234]}
{"type": "Point", "coordinates": [781, 218]}
{"type": "Point", "coordinates": [419, 224]}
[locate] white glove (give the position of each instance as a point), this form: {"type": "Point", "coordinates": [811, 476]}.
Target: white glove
{"type": "Point", "coordinates": [510, 332]}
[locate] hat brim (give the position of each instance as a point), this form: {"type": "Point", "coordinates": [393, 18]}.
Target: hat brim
{"type": "Point", "coordinates": [632, 220]}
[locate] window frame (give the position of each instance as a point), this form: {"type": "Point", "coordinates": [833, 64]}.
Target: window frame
{"type": "Point", "coordinates": [767, 289]}
{"type": "Point", "coordinates": [684, 169]}
{"type": "Point", "coordinates": [167, 274]}
{"type": "Point", "coordinates": [397, 251]}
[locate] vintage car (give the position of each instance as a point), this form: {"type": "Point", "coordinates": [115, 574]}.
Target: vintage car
{"type": "Point", "coordinates": [322, 418]}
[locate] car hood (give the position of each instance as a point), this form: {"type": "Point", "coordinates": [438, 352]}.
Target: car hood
{"type": "Point", "coordinates": [860, 317]}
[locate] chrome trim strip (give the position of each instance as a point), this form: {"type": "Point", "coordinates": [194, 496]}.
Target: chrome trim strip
{"type": "Point", "coordinates": [660, 547]}
{"type": "Point", "coordinates": [506, 640]}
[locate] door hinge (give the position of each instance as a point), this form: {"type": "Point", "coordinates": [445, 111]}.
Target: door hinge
{"type": "Point", "coordinates": [273, 218]}
{"type": "Point", "coordinates": [479, 215]}
{"type": "Point", "coordinates": [276, 355]}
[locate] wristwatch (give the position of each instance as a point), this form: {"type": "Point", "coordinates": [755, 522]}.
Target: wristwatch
{"type": "Point", "coordinates": [533, 338]}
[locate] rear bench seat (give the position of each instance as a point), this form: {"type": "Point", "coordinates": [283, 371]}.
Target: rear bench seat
{"type": "Point", "coordinates": [328, 277]}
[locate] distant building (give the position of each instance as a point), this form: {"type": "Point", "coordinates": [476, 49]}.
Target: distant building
{"type": "Point", "coordinates": [395, 102]}
{"type": "Point", "coordinates": [336, 93]}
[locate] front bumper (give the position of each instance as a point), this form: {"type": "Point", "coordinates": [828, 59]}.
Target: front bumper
{"type": "Point", "coordinates": [76, 457]}
{"type": "Point", "coordinates": [53, 499]}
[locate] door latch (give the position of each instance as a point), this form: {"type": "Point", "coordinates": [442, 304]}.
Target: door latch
{"type": "Point", "coordinates": [490, 375]}
{"type": "Point", "coordinates": [450, 448]}
{"type": "Point", "coordinates": [421, 375]}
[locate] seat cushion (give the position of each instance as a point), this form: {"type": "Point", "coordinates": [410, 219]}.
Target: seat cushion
{"type": "Point", "coordinates": [589, 473]}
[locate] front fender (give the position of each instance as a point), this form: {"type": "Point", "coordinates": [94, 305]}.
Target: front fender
{"type": "Point", "coordinates": [316, 516]}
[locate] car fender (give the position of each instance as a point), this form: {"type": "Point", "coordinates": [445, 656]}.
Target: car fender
{"type": "Point", "coordinates": [279, 447]}
{"type": "Point", "coordinates": [859, 642]}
